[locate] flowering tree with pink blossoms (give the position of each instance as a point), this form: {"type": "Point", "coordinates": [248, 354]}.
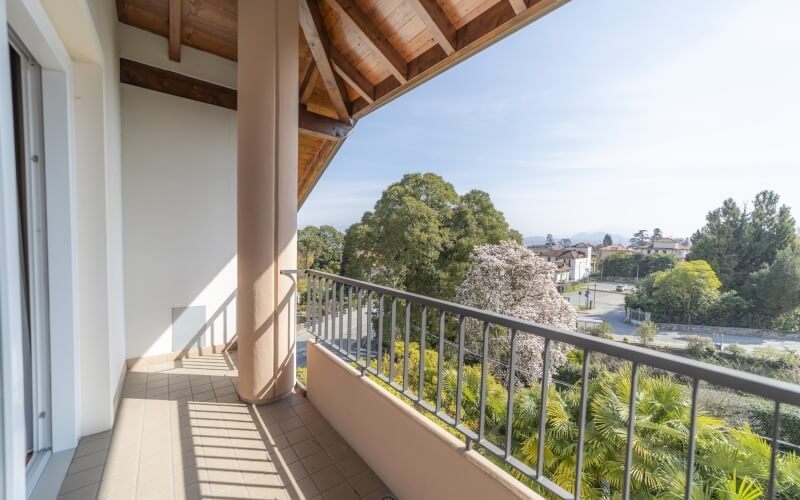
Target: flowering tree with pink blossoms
{"type": "Point", "coordinates": [509, 279]}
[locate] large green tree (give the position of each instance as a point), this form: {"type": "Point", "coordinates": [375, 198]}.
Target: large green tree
{"type": "Point", "coordinates": [420, 235]}
{"type": "Point", "coordinates": [775, 288]}
{"type": "Point", "coordinates": [679, 294]}
{"type": "Point", "coordinates": [738, 241]}
{"type": "Point", "coordinates": [320, 248]}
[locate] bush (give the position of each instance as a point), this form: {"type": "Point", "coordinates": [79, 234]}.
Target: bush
{"type": "Point", "coordinates": [699, 346]}
{"type": "Point", "coordinates": [603, 330]}
{"type": "Point", "coordinates": [647, 332]}
{"type": "Point", "coordinates": [735, 350]}
{"type": "Point", "coordinates": [761, 414]}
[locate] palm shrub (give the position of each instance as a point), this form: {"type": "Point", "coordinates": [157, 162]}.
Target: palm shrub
{"type": "Point", "coordinates": [731, 463]}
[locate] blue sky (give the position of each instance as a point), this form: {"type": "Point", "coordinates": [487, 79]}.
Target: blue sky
{"type": "Point", "coordinates": [602, 116]}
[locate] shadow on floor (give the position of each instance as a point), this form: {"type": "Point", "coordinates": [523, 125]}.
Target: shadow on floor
{"type": "Point", "coordinates": [181, 432]}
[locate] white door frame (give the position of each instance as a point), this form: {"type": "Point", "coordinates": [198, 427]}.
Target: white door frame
{"type": "Point", "coordinates": [30, 21]}
{"type": "Point", "coordinates": [12, 416]}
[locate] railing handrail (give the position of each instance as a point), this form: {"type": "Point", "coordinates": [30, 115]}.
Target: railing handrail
{"type": "Point", "coordinates": [775, 390]}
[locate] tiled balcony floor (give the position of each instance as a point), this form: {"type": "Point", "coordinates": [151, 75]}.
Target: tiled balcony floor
{"type": "Point", "coordinates": [181, 432]}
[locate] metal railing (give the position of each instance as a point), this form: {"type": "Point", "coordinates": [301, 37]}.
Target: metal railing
{"type": "Point", "coordinates": [334, 303]}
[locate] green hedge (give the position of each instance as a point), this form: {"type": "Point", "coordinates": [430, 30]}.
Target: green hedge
{"type": "Point", "coordinates": [761, 415]}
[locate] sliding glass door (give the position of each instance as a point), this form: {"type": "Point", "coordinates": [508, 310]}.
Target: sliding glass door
{"type": "Point", "coordinates": [26, 85]}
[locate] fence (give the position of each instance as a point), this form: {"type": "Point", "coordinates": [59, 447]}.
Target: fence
{"type": "Point", "coordinates": [335, 303]}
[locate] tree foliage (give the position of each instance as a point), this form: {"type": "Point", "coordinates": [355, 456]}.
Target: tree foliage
{"type": "Point", "coordinates": [320, 248]}
{"type": "Point", "coordinates": [607, 240]}
{"type": "Point", "coordinates": [420, 234]}
{"type": "Point", "coordinates": [688, 290]}
{"type": "Point", "coordinates": [509, 279]}
{"type": "Point", "coordinates": [625, 265]}
{"type": "Point", "coordinates": [738, 241]}
{"type": "Point", "coordinates": [565, 242]}
{"type": "Point", "coordinates": [657, 234]}
{"type": "Point", "coordinates": [640, 238]}
{"type": "Point", "coordinates": [775, 288]}
{"type": "Point", "coordinates": [549, 240]}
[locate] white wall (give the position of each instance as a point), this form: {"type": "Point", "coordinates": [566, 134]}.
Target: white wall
{"type": "Point", "coordinates": [179, 195]}
{"type": "Point", "coordinates": [90, 181]}
{"type": "Point", "coordinates": [104, 13]}
{"type": "Point", "coordinates": [179, 201]}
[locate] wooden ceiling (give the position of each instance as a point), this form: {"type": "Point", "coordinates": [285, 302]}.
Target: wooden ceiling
{"type": "Point", "coordinates": [355, 55]}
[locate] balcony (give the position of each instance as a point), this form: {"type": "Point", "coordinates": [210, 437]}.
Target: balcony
{"type": "Point", "coordinates": [430, 409]}
{"type": "Point", "coordinates": [181, 432]}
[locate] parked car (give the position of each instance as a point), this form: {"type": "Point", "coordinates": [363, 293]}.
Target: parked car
{"type": "Point", "coordinates": [620, 287]}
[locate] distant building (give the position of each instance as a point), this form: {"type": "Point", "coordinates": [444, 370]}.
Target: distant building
{"type": "Point", "coordinates": [577, 257]}
{"type": "Point", "coordinates": [561, 275]}
{"type": "Point", "coordinates": [609, 250]}
{"type": "Point", "coordinates": [666, 246]}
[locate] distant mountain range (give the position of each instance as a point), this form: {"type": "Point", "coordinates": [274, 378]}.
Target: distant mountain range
{"type": "Point", "coordinates": [586, 237]}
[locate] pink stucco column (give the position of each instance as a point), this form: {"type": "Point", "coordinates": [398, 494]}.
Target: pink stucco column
{"type": "Point", "coordinates": [267, 196]}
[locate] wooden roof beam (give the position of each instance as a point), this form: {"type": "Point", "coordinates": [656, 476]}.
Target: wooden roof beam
{"type": "Point", "coordinates": [378, 43]}
{"type": "Point", "coordinates": [496, 22]}
{"type": "Point", "coordinates": [308, 83]}
{"type": "Point", "coordinates": [436, 21]}
{"type": "Point", "coordinates": [322, 127]}
{"type": "Point", "coordinates": [320, 46]}
{"type": "Point", "coordinates": [175, 30]}
{"type": "Point", "coordinates": [168, 82]}
{"type": "Point", "coordinates": [352, 75]}
{"type": "Point", "coordinates": [519, 6]}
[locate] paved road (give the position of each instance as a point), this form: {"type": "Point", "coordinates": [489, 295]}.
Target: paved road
{"type": "Point", "coordinates": [303, 335]}
{"type": "Point", "coordinates": [609, 306]}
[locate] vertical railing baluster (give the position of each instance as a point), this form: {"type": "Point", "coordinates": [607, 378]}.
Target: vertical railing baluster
{"type": "Point", "coordinates": [379, 355]}
{"type": "Point", "coordinates": [587, 354]}
{"type": "Point", "coordinates": [318, 305]}
{"type": "Point", "coordinates": [340, 312]}
{"type": "Point", "coordinates": [484, 376]}
{"type": "Point", "coordinates": [423, 332]}
{"type": "Point", "coordinates": [358, 325]}
{"type": "Point", "coordinates": [460, 370]}
{"type": "Point", "coordinates": [626, 473]}
{"type": "Point", "coordinates": [392, 334]}
{"type": "Point", "coordinates": [543, 409]}
{"type": "Point", "coordinates": [692, 440]}
{"type": "Point", "coordinates": [326, 309]}
{"type": "Point", "coordinates": [440, 365]}
{"type": "Point", "coordinates": [309, 320]}
{"type": "Point", "coordinates": [350, 320]}
{"type": "Point", "coordinates": [407, 340]}
{"type": "Point", "coordinates": [334, 306]}
{"type": "Point", "coordinates": [776, 435]}
{"type": "Point", "coordinates": [510, 388]}
{"type": "Point", "coordinates": [369, 328]}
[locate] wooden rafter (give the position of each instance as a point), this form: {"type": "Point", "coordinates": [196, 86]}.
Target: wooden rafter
{"type": "Point", "coordinates": [436, 21]}
{"type": "Point", "coordinates": [308, 83]}
{"type": "Point", "coordinates": [352, 75]}
{"type": "Point", "coordinates": [175, 30]}
{"type": "Point", "coordinates": [168, 82]}
{"type": "Point", "coordinates": [322, 126]}
{"type": "Point", "coordinates": [498, 21]}
{"type": "Point", "coordinates": [320, 46]}
{"type": "Point", "coordinates": [377, 41]}
{"type": "Point", "coordinates": [519, 6]}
